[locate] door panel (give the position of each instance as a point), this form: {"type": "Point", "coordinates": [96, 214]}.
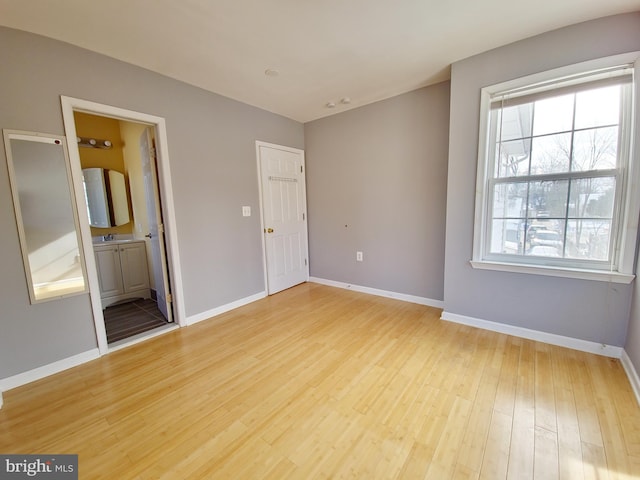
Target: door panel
{"type": "Point", "coordinates": [133, 259]}
{"type": "Point", "coordinates": [284, 216]}
{"type": "Point", "coordinates": [156, 229]}
{"type": "Point", "coordinates": [109, 270]}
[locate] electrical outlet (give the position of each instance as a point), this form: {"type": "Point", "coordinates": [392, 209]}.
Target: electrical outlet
{"type": "Point", "coordinates": [359, 257]}
{"type": "Point", "coordinates": [246, 211]}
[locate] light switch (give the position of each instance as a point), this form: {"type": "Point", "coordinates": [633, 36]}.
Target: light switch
{"type": "Point", "coordinates": [246, 211]}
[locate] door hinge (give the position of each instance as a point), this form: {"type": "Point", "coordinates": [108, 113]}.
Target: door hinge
{"type": "Point", "coordinates": [301, 169]}
{"type": "Point", "coordinates": [305, 262]}
{"type": "Point", "coordinates": [169, 298]}
{"type": "Point", "coordinates": [161, 228]}
{"type": "Point", "coordinates": [152, 152]}
{"type": "Point", "coordinates": [304, 216]}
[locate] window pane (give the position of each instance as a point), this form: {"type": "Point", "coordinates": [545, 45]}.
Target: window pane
{"type": "Point", "coordinates": [553, 115]}
{"type": "Point", "coordinates": [595, 149]}
{"type": "Point", "coordinates": [548, 199]}
{"type": "Point", "coordinates": [595, 108]}
{"type": "Point", "coordinates": [512, 158]}
{"type": "Point", "coordinates": [509, 200]}
{"type": "Point", "coordinates": [545, 239]}
{"type": "Point", "coordinates": [588, 239]}
{"type": "Point", "coordinates": [545, 251]}
{"type": "Point", "coordinates": [535, 225]}
{"type": "Point", "coordinates": [516, 122]}
{"type": "Point", "coordinates": [592, 197]}
{"type": "Point", "coordinates": [550, 154]}
{"type": "Point", "coordinates": [506, 237]}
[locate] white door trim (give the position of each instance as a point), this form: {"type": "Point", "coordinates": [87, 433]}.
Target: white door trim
{"type": "Point", "coordinates": [69, 105]}
{"type": "Point", "coordinates": [259, 144]}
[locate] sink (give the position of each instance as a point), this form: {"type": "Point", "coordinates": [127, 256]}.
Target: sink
{"type": "Point", "coordinates": [112, 242]}
{"type": "Point", "coordinates": [101, 240]}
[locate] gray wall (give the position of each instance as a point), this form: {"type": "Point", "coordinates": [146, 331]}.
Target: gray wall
{"type": "Point", "coordinates": [589, 310]}
{"type": "Point", "coordinates": [213, 166]}
{"type": "Point", "coordinates": [632, 345]}
{"type": "Point", "coordinates": [376, 182]}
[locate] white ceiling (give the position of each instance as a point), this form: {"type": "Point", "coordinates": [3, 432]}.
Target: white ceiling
{"type": "Point", "coordinates": [324, 50]}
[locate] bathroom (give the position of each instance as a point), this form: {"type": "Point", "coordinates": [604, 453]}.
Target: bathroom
{"type": "Point", "coordinates": [120, 187]}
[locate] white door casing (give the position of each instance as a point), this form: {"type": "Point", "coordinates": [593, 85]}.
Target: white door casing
{"type": "Point", "coordinates": [156, 229]}
{"type": "Point", "coordinates": [69, 105]}
{"type": "Point", "coordinates": [284, 215]}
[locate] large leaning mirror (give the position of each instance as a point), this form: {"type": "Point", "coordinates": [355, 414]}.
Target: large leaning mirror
{"type": "Point", "coordinates": [106, 196]}
{"type": "Point", "coordinates": [46, 214]}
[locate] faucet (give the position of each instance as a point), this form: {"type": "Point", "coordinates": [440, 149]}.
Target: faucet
{"type": "Point", "coordinates": [108, 237]}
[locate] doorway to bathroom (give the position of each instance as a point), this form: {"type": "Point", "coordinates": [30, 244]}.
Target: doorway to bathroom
{"type": "Point", "coordinates": [120, 167]}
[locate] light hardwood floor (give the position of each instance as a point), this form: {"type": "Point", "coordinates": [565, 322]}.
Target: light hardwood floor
{"type": "Point", "coordinates": [318, 382]}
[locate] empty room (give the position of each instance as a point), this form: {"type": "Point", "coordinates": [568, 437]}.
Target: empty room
{"type": "Point", "coordinates": [269, 240]}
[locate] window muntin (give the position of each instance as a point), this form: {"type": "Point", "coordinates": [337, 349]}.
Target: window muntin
{"type": "Point", "coordinates": [554, 189]}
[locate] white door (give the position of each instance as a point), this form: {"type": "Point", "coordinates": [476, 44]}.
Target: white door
{"type": "Point", "coordinates": [284, 215]}
{"type": "Point", "coordinates": [156, 228]}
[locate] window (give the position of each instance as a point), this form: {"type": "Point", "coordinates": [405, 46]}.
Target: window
{"type": "Point", "coordinates": [555, 163]}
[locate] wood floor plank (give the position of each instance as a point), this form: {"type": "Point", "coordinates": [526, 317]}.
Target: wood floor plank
{"type": "Point", "coordinates": [474, 442]}
{"type": "Point", "coordinates": [594, 462]}
{"type": "Point", "coordinates": [522, 451]}
{"type": "Point", "coordinates": [545, 395]}
{"type": "Point", "coordinates": [496, 454]}
{"type": "Point", "coordinates": [584, 396]}
{"type": "Point", "coordinates": [325, 383]}
{"type": "Point", "coordinates": [569, 441]}
{"type": "Point", "coordinates": [446, 454]}
{"type": "Point", "coordinates": [546, 465]}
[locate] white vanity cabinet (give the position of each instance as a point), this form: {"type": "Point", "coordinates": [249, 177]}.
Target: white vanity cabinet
{"type": "Point", "coordinates": [122, 271]}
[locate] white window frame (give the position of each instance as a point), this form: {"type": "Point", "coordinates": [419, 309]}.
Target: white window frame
{"type": "Point", "coordinates": [627, 230]}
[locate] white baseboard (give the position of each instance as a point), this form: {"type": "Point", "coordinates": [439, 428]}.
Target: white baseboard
{"type": "Point", "coordinates": [632, 374]}
{"type": "Point", "coordinates": [46, 370]}
{"type": "Point", "coordinates": [380, 293]}
{"type": "Point", "coordinates": [224, 308]}
{"type": "Point", "coordinates": [550, 338]}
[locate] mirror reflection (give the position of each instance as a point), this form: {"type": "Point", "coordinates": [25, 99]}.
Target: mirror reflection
{"type": "Point", "coordinates": [105, 193]}
{"type": "Point", "coordinates": [45, 214]}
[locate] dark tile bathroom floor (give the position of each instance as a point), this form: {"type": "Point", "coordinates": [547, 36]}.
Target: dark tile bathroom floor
{"type": "Point", "coordinates": [127, 319]}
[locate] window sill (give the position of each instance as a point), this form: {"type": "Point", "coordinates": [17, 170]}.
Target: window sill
{"type": "Point", "coordinates": [597, 275]}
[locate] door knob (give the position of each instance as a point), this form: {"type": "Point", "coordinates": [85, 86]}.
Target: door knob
{"type": "Point", "coordinates": [269, 230]}
{"type": "Point", "coordinates": [148, 235]}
